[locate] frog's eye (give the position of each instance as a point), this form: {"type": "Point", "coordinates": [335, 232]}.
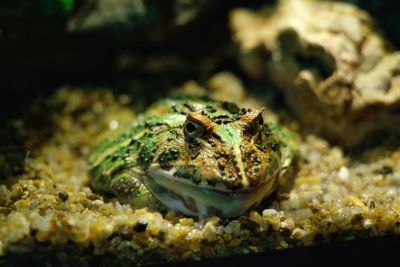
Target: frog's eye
{"type": "Point", "coordinates": [193, 129]}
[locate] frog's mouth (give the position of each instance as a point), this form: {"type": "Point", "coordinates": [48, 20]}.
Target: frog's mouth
{"type": "Point", "coordinates": [197, 200]}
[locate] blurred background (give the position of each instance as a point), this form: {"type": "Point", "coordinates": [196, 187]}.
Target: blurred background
{"type": "Point", "coordinates": [126, 44]}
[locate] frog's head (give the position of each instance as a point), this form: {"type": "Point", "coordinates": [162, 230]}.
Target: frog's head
{"type": "Point", "coordinates": [220, 160]}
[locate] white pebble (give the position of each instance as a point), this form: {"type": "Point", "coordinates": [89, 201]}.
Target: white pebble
{"type": "Point", "coordinates": [228, 229]}
{"type": "Point", "coordinates": [314, 157]}
{"type": "Point", "coordinates": [299, 233]}
{"type": "Point", "coordinates": [98, 203]}
{"type": "Point", "coordinates": [269, 213]}
{"type": "Point", "coordinates": [113, 124]}
{"type": "Point", "coordinates": [391, 192]}
{"type": "Point", "coordinates": [367, 224]}
{"type": "Point", "coordinates": [118, 206]}
{"type": "Point", "coordinates": [301, 215]}
{"type": "Point", "coordinates": [344, 174]}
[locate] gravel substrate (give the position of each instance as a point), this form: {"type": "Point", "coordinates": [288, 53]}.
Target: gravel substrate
{"type": "Point", "coordinates": [48, 202]}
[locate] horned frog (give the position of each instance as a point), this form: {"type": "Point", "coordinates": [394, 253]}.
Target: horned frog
{"type": "Point", "coordinates": [197, 156]}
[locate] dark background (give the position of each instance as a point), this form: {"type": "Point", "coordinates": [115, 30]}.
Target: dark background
{"type": "Point", "coordinates": [45, 43]}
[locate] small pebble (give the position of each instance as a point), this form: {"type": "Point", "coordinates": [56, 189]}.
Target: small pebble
{"type": "Point", "coordinates": [234, 242]}
{"type": "Point", "coordinates": [113, 125]}
{"type": "Point", "coordinates": [367, 224]}
{"type": "Point", "coordinates": [63, 196]}
{"type": "Point", "coordinates": [343, 174]}
{"type": "Point", "coordinates": [299, 233]}
{"type": "Point", "coordinates": [140, 226]}
{"type": "Point", "coordinates": [387, 170]}
{"type": "Point", "coordinates": [269, 213]}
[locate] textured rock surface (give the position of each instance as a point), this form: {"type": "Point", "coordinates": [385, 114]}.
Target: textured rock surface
{"type": "Point", "coordinates": [335, 69]}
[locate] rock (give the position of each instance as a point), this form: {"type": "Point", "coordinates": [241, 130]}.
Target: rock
{"type": "Point", "coordinates": [335, 70]}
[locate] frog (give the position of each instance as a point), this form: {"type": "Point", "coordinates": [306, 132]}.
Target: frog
{"type": "Point", "coordinates": [197, 156]}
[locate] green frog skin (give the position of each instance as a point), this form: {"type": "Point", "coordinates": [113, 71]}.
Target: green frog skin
{"type": "Point", "coordinates": [197, 156]}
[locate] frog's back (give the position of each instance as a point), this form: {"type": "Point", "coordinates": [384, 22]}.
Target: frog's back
{"type": "Point", "coordinates": [109, 158]}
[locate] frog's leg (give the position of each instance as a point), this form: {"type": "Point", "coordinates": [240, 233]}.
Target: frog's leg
{"type": "Point", "coordinates": [130, 189]}
{"type": "Point", "coordinates": [122, 182]}
{"type": "Point", "coordinates": [114, 173]}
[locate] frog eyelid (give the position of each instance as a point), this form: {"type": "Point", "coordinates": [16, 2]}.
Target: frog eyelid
{"type": "Point", "coordinates": [253, 116]}
{"type": "Point", "coordinates": [201, 120]}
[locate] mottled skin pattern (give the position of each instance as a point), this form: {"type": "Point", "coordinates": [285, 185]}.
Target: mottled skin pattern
{"type": "Point", "coordinates": [197, 156]}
